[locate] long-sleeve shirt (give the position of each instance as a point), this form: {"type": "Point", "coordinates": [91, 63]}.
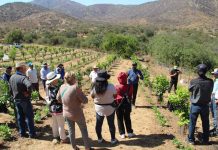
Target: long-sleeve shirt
{"type": "Point", "coordinates": [72, 97]}
{"type": "Point", "coordinates": [201, 89]}
{"type": "Point", "coordinates": [20, 87]}
{"type": "Point", "coordinates": [215, 86]}
{"type": "Point", "coordinates": [6, 77]}
{"type": "Point", "coordinates": [133, 76]}
{"type": "Point", "coordinates": [43, 73]}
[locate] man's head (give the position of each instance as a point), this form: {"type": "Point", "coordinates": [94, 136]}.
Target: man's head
{"type": "Point", "coordinates": [45, 65]}
{"type": "Point", "coordinates": [134, 66]}
{"type": "Point", "coordinates": [8, 70]}
{"type": "Point", "coordinates": [95, 68]}
{"type": "Point", "coordinates": [215, 73]}
{"type": "Point", "coordinates": [30, 65]}
{"type": "Point", "coordinates": [202, 69]}
{"type": "Point", "coordinates": [21, 67]}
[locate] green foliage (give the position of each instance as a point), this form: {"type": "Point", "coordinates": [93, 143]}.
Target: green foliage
{"type": "Point", "coordinates": [160, 84]}
{"type": "Point", "coordinates": [1, 54]}
{"type": "Point", "coordinates": [180, 104]}
{"type": "Point", "coordinates": [30, 37]}
{"type": "Point", "coordinates": [183, 48]}
{"type": "Point", "coordinates": [45, 111]}
{"type": "Point", "coordinates": [38, 116]}
{"type": "Point", "coordinates": [12, 54]}
{"type": "Point", "coordinates": [123, 45]}
{"type": "Point", "coordinates": [35, 95]}
{"type": "Point", "coordinates": [4, 94]}
{"type": "Point", "coordinates": [5, 132]}
{"type": "Point", "coordinates": [107, 63]}
{"type": "Point", "coordinates": [15, 36]}
{"type": "Point", "coordinates": [79, 78]}
{"type": "Point", "coordinates": [162, 120]}
{"type": "Point", "coordinates": [180, 146]}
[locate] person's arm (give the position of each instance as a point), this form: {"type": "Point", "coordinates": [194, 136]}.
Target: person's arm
{"type": "Point", "coordinates": [28, 85]}
{"type": "Point", "coordinates": [141, 75]}
{"type": "Point", "coordinates": [191, 86]}
{"type": "Point", "coordinates": [41, 73]}
{"type": "Point", "coordinates": [92, 94]}
{"type": "Point", "coordinates": [58, 97]}
{"type": "Point", "coordinates": [81, 96]}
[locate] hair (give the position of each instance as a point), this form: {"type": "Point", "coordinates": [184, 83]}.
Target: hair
{"type": "Point", "coordinates": [68, 76]}
{"type": "Point", "coordinates": [100, 86]}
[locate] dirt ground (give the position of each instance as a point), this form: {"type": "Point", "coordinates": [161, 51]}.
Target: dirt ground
{"type": "Point", "coordinates": [149, 133]}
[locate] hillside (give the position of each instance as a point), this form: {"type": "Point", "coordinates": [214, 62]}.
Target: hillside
{"type": "Point", "coordinates": [28, 16]}
{"type": "Point", "coordinates": [175, 13]}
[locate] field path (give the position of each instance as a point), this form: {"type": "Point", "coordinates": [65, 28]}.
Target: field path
{"type": "Point", "coordinates": [150, 135]}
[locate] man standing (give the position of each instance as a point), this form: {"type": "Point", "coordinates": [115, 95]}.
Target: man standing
{"type": "Point", "coordinates": [174, 76]}
{"type": "Point", "coordinates": [60, 70]}
{"type": "Point", "coordinates": [32, 75]}
{"type": "Point", "coordinates": [7, 75]}
{"type": "Point", "coordinates": [94, 73]}
{"type": "Point", "coordinates": [214, 131]}
{"type": "Point", "coordinates": [133, 78]}
{"type": "Point", "coordinates": [43, 72]}
{"type": "Point", "coordinates": [201, 89]}
{"type": "Point", "coordinates": [21, 89]}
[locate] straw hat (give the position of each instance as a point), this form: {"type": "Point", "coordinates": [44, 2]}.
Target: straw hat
{"type": "Point", "coordinates": [51, 77]}
{"type": "Point", "coordinates": [20, 64]}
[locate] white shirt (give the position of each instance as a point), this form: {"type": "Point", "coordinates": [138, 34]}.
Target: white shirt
{"type": "Point", "coordinates": [32, 75]}
{"type": "Point", "coordinates": [93, 75]}
{"type": "Point", "coordinates": [106, 98]}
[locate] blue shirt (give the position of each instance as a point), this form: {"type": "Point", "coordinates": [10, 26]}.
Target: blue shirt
{"type": "Point", "coordinates": [215, 86]}
{"type": "Point", "coordinates": [44, 72]}
{"type": "Point", "coordinates": [6, 77]}
{"type": "Point", "coordinates": [133, 76]}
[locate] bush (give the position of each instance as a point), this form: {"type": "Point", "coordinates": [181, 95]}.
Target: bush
{"type": "Point", "coordinates": [123, 45]}
{"type": "Point", "coordinates": [29, 37]}
{"type": "Point", "coordinates": [15, 36]}
{"type": "Point", "coordinates": [5, 132]}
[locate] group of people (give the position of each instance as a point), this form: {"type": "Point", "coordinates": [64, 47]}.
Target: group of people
{"type": "Point", "coordinates": [65, 101]}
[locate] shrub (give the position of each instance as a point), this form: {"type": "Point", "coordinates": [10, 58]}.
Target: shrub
{"type": "Point", "coordinates": [5, 132]}
{"type": "Point", "coordinates": [15, 36]}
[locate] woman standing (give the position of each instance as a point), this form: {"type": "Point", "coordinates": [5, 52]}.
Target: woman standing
{"type": "Point", "coordinates": [103, 94]}
{"type": "Point", "coordinates": [123, 98]}
{"type": "Point", "coordinates": [55, 107]}
{"type": "Point", "coordinates": [72, 97]}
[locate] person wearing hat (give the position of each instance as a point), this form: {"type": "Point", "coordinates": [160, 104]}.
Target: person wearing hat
{"type": "Point", "coordinates": [214, 103]}
{"type": "Point", "coordinates": [43, 73]}
{"type": "Point", "coordinates": [55, 107]}
{"type": "Point", "coordinates": [60, 70]}
{"type": "Point", "coordinates": [133, 78]}
{"type": "Point", "coordinates": [31, 73]}
{"type": "Point", "coordinates": [174, 76]}
{"type": "Point", "coordinates": [21, 89]}
{"type": "Point", "coordinates": [201, 89]}
{"type": "Point", "coordinates": [94, 73]}
{"type": "Point", "coordinates": [7, 75]}
{"type": "Point", "coordinates": [72, 99]}
{"type": "Point", "coordinates": [104, 94]}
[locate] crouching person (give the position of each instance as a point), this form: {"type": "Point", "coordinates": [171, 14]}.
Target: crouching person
{"type": "Point", "coordinates": [55, 108]}
{"type": "Point", "coordinates": [72, 97]}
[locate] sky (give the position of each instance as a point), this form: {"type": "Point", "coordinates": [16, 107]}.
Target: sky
{"type": "Point", "coordinates": [90, 2]}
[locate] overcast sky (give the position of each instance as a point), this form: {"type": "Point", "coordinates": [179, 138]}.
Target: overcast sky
{"type": "Point", "coordinates": [89, 2]}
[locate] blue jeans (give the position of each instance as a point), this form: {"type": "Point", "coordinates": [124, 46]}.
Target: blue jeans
{"type": "Point", "coordinates": [203, 110]}
{"type": "Point", "coordinates": [214, 112]}
{"type": "Point", "coordinates": [110, 121]}
{"type": "Point", "coordinates": [24, 110]}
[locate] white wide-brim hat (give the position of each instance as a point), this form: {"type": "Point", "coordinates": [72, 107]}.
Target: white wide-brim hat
{"type": "Point", "coordinates": [215, 72]}
{"type": "Point", "coordinates": [51, 77]}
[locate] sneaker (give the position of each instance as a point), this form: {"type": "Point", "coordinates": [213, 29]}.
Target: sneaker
{"type": "Point", "coordinates": [114, 141]}
{"type": "Point", "coordinates": [25, 135]}
{"type": "Point", "coordinates": [35, 136]}
{"type": "Point", "coordinates": [190, 142]}
{"type": "Point", "coordinates": [101, 140]}
{"type": "Point", "coordinates": [122, 136]}
{"type": "Point", "coordinates": [131, 135]}
{"type": "Point", "coordinates": [55, 141]}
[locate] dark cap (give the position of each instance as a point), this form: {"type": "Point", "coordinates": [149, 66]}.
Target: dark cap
{"type": "Point", "coordinates": [202, 69]}
{"type": "Point", "coordinates": [134, 64]}
{"type": "Point", "coordinates": [102, 76]}
{"type": "Point", "coordinates": [9, 68]}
